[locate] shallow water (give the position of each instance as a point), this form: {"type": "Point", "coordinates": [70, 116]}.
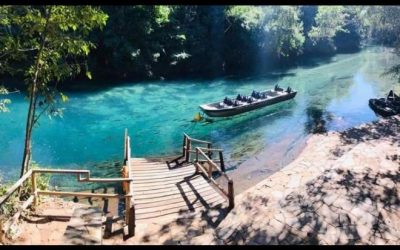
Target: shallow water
{"type": "Point", "coordinates": [332, 95]}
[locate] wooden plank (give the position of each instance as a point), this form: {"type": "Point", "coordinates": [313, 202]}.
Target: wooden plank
{"type": "Point", "coordinates": [159, 185]}
{"type": "Point", "coordinates": [81, 194]}
{"type": "Point", "coordinates": [174, 189]}
{"type": "Point", "coordinates": [170, 191]}
{"type": "Point", "coordinates": [61, 171]}
{"type": "Point", "coordinates": [189, 195]}
{"type": "Point", "coordinates": [167, 180]}
{"type": "Point", "coordinates": [149, 166]}
{"type": "Point", "coordinates": [161, 170]}
{"type": "Point", "coordinates": [180, 201]}
{"type": "Point", "coordinates": [155, 178]}
{"type": "Point", "coordinates": [175, 211]}
{"type": "Point", "coordinates": [180, 206]}
{"type": "Point", "coordinates": [187, 171]}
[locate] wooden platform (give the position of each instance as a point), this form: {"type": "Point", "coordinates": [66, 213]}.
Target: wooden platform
{"type": "Point", "coordinates": [162, 194]}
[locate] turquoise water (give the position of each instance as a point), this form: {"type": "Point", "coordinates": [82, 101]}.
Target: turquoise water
{"type": "Point", "coordinates": [332, 95]}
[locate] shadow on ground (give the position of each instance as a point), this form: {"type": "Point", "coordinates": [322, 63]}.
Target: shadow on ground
{"type": "Point", "coordinates": [340, 206]}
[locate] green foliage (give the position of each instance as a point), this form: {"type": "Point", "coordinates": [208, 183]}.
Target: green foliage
{"type": "Point", "coordinates": [329, 21]}
{"type": "Point", "coordinates": [152, 42]}
{"type": "Point", "coordinates": [9, 207]}
{"type": "Point", "coordinates": [162, 13]}
{"type": "Point", "coordinates": [284, 30]}
{"type": "Point", "coordinates": [249, 16]}
{"type": "Point", "coordinates": [66, 29]}
{"type": "Point", "coordinates": [4, 102]}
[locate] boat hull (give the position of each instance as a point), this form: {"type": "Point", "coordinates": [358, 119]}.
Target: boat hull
{"type": "Point", "coordinates": [248, 107]}
{"type": "Point", "coordinates": [382, 108]}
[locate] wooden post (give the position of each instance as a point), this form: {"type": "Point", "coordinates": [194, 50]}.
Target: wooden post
{"type": "Point", "coordinates": [231, 194]}
{"type": "Point", "coordinates": [188, 147]}
{"type": "Point", "coordinates": [127, 208]}
{"type": "Point", "coordinates": [35, 198]}
{"type": "Point", "coordinates": [221, 160]}
{"type": "Point", "coordinates": [108, 228]}
{"type": "Point", "coordinates": [131, 221]}
{"type": "Point", "coordinates": [209, 170]}
{"type": "Point", "coordinates": [184, 145]}
{"type": "Point", "coordinates": [209, 153]}
{"type": "Point", "coordinates": [197, 160]}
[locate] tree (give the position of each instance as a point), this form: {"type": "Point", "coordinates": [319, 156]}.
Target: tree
{"type": "Point", "coordinates": [48, 43]}
{"type": "Point", "coordinates": [328, 22]}
{"type": "Point", "coordinates": [284, 30]}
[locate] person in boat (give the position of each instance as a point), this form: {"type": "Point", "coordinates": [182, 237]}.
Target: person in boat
{"type": "Point", "coordinates": [289, 90]}
{"type": "Point", "coordinates": [228, 101]}
{"type": "Point", "coordinates": [392, 96]}
{"type": "Point", "coordinates": [255, 94]}
{"type": "Point", "coordinates": [276, 87]}
{"type": "Point", "coordinates": [250, 100]}
{"type": "Point", "coordinates": [239, 97]}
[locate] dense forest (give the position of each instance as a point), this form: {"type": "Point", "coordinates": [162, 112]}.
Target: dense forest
{"type": "Point", "coordinates": [164, 42]}
{"type": "Point", "coordinates": [168, 42]}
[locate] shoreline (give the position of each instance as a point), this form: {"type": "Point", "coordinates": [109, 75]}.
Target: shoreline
{"type": "Point", "coordinates": [338, 191]}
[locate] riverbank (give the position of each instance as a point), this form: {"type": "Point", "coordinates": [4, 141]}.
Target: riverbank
{"type": "Point", "coordinates": [343, 188]}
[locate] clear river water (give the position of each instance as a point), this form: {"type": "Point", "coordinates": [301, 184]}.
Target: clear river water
{"type": "Point", "coordinates": [332, 95]}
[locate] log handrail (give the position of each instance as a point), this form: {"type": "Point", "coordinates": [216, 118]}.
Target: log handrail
{"type": "Point", "coordinates": [230, 193]}
{"type": "Point", "coordinates": [211, 149]}
{"type": "Point", "coordinates": [79, 173]}
{"type": "Point", "coordinates": [14, 187]}
{"type": "Point", "coordinates": [196, 140]}
{"type": "Point", "coordinates": [82, 176]}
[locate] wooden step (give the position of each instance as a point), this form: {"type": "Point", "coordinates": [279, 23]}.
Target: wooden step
{"type": "Point", "coordinates": [159, 171]}
{"type": "Point", "coordinates": [160, 177]}
{"type": "Point", "coordinates": [170, 190]}
{"type": "Point", "coordinates": [175, 211]}
{"type": "Point", "coordinates": [85, 227]}
{"type": "Point", "coordinates": [159, 185]}
{"type": "Point", "coordinates": [167, 179]}
{"type": "Point", "coordinates": [178, 201]}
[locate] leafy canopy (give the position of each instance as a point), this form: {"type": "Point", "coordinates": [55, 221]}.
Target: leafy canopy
{"type": "Point", "coordinates": [47, 43]}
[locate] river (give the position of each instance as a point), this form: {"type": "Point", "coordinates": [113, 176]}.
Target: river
{"type": "Point", "coordinates": [332, 95]}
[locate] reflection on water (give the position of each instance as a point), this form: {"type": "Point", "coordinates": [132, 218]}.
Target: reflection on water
{"type": "Point", "coordinates": [332, 95]}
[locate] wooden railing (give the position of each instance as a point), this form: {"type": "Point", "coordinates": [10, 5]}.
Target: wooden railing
{"type": "Point", "coordinates": [82, 176]}
{"type": "Point", "coordinates": [187, 151]}
{"type": "Point", "coordinates": [209, 172]}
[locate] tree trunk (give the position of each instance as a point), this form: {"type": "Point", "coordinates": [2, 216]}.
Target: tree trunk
{"type": "Point", "coordinates": [32, 103]}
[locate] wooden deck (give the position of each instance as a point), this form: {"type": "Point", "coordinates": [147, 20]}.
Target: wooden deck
{"type": "Point", "coordinates": [162, 194]}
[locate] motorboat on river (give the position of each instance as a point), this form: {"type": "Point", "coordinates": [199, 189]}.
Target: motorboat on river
{"type": "Point", "coordinates": [241, 104]}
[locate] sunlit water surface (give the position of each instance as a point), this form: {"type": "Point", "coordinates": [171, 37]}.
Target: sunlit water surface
{"type": "Point", "coordinates": [332, 95]}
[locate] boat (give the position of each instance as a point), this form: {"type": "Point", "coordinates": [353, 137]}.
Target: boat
{"type": "Point", "coordinates": [386, 106]}
{"type": "Point", "coordinates": [241, 104]}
